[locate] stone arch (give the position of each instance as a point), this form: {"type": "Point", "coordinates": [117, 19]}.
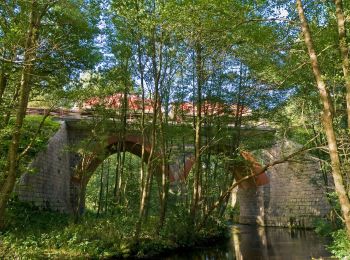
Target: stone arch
{"type": "Point", "coordinates": [252, 167]}
{"type": "Point", "coordinates": [132, 143]}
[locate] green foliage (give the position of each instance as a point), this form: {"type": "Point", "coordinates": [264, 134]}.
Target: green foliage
{"type": "Point", "coordinates": [31, 125]}
{"type": "Point", "coordinates": [33, 233]}
{"type": "Point", "coordinates": [130, 200]}
{"type": "Point", "coordinates": [30, 135]}
{"type": "Point", "coordinates": [323, 227]}
{"type": "Point", "coordinates": [232, 213]}
{"type": "Point", "coordinates": [60, 59]}
{"type": "Point", "coordinates": [340, 246]}
{"type": "Point", "coordinates": [243, 57]}
{"type": "Point", "coordinates": [340, 242]}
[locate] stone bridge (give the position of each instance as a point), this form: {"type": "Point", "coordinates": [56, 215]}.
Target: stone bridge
{"type": "Point", "coordinates": [290, 194]}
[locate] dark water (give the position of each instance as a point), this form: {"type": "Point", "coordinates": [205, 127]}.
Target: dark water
{"type": "Point", "coordinates": [255, 243]}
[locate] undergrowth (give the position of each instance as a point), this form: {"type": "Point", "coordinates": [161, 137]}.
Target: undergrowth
{"type": "Point", "coordinates": [33, 233]}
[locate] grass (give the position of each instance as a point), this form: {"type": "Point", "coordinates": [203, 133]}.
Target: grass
{"type": "Point", "coordinates": [33, 233]}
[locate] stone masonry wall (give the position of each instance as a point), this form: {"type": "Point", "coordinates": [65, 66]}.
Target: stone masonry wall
{"type": "Point", "coordinates": [49, 185]}
{"type": "Point", "coordinates": [295, 195]}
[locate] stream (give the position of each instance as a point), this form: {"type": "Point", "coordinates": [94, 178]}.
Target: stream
{"type": "Point", "coordinates": [255, 243]}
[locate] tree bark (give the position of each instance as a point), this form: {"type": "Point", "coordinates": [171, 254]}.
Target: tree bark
{"type": "Point", "coordinates": [198, 139]}
{"type": "Point", "coordinates": [107, 184]}
{"type": "Point", "coordinates": [164, 173]}
{"type": "Point", "coordinates": [327, 119]}
{"type": "Point", "coordinates": [141, 71]}
{"type": "Point", "coordinates": [156, 71]}
{"type": "Point", "coordinates": [10, 175]}
{"type": "Point", "coordinates": [100, 206]}
{"type": "Point", "coordinates": [344, 51]}
{"type": "Point", "coordinates": [3, 84]}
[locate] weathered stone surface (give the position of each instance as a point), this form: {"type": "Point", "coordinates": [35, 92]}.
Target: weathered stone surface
{"type": "Point", "coordinates": [294, 197]}
{"type": "Point", "coordinates": [49, 185]}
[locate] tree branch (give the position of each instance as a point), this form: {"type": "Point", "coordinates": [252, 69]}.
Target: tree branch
{"type": "Point", "coordinates": [30, 145]}
{"type": "Point", "coordinates": [248, 177]}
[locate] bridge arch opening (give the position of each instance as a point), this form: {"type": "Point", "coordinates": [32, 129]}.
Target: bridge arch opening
{"type": "Point", "coordinates": [115, 184]}
{"type": "Point", "coordinates": [178, 170]}
{"type": "Point", "coordinates": [132, 148]}
{"type": "Point", "coordinates": [110, 163]}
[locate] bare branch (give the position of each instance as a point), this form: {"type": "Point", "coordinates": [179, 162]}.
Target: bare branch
{"type": "Point", "coordinates": [30, 145]}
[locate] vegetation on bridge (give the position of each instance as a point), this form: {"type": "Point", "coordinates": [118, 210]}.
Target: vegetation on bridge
{"type": "Point", "coordinates": [272, 63]}
{"type": "Point", "coordinates": [36, 132]}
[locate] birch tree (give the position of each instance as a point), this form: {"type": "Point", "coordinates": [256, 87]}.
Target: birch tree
{"type": "Point", "coordinates": [327, 118]}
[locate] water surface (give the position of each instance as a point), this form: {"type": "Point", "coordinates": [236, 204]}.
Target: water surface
{"type": "Point", "coordinates": [255, 243]}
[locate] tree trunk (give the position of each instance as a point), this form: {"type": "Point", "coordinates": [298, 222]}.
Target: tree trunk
{"type": "Point", "coordinates": [107, 184]}
{"type": "Point", "coordinates": [327, 120]}
{"type": "Point", "coordinates": [344, 51]}
{"type": "Point", "coordinates": [100, 206]}
{"type": "Point", "coordinates": [141, 71]}
{"type": "Point", "coordinates": [164, 176]}
{"type": "Point", "coordinates": [198, 138]}
{"type": "Point", "coordinates": [117, 180]}
{"type": "Point", "coordinates": [10, 175]}
{"type": "Point", "coordinates": [150, 164]}
{"type": "Point", "coordinates": [125, 108]}
{"type": "Point", "coordinates": [11, 106]}
{"type": "Point", "coordinates": [3, 84]}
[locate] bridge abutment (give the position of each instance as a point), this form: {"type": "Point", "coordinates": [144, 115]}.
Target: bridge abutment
{"type": "Point", "coordinates": [49, 185]}
{"type": "Point", "coordinates": [294, 197]}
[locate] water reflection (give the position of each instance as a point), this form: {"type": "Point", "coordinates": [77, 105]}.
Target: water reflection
{"type": "Point", "coordinates": [254, 243]}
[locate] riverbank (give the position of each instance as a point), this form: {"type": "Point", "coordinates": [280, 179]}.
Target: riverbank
{"type": "Point", "coordinates": [32, 233]}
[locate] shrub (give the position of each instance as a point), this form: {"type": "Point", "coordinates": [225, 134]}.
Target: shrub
{"type": "Point", "coordinates": [340, 246]}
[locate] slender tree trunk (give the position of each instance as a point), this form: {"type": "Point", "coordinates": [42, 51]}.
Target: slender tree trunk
{"type": "Point", "coordinates": [142, 79]}
{"type": "Point", "coordinates": [5, 69]}
{"type": "Point", "coordinates": [237, 127]}
{"type": "Point", "coordinates": [122, 178]}
{"type": "Point", "coordinates": [107, 184]}
{"type": "Point", "coordinates": [30, 53]}
{"type": "Point", "coordinates": [100, 206]}
{"type": "Point", "coordinates": [239, 111]}
{"type": "Point", "coordinates": [344, 51]}
{"type": "Point", "coordinates": [327, 120]}
{"type": "Point", "coordinates": [11, 106]}
{"type": "Point", "coordinates": [141, 71]}
{"type": "Point", "coordinates": [164, 177]}
{"type": "Point", "coordinates": [125, 108]}
{"type": "Point", "coordinates": [121, 143]}
{"type": "Point", "coordinates": [151, 163]}
{"type": "Point", "coordinates": [198, 139]}
{"type": "Point", "coordinates": [116, 190]}
{"type": "Point", "coordinates": [208, 169]}
{"type": "Point", "coordinates": [3, 84]}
